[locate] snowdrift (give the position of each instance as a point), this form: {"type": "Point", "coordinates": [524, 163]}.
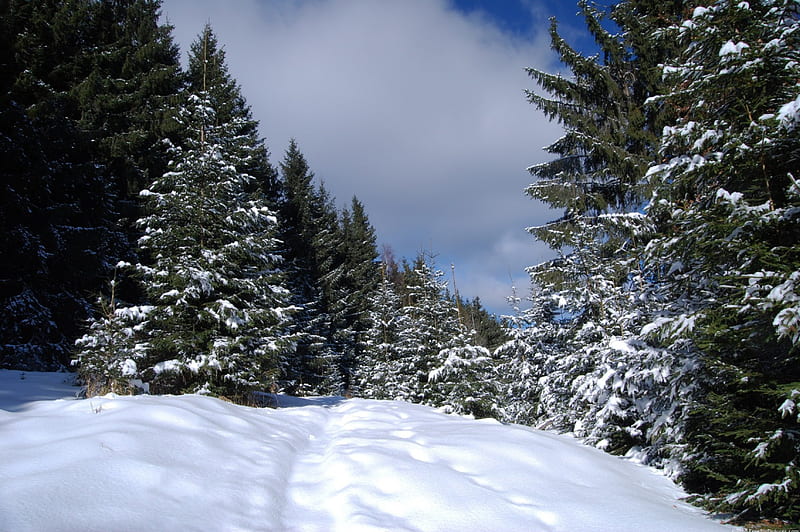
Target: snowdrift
{"type": "Point", "coordinates": [196, 463]}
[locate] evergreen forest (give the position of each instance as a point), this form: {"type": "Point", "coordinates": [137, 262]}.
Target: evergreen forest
{"type": "Point", "coordinates": [152, 244]}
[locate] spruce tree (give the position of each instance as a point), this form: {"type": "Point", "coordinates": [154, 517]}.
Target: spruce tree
{"type": "Point", "coordinates": [598, 175]}
{"type": "Point", "coordinates": [129, 83]}
{"type": "Point", "coordinates": [217, 317]}
{"type": "Point", "coordinates": [330, 256]}
{"type": "Point", "coordinates": [358, 285]}
{"type": "Point", "coordinates": [329, 323]}
{"type": "Point", "coordinates": [524, 358]}
{"type": "Point", "coordinates": [379, 370]}
{"type": "Point", "coordinates": [57, 209]}
{"type": "Point", "coordinates": [58, 225]}
{"type": "Point", "coordinates": [435, 356]}
{"type": "Point", "coordinates": [302, 213]}
{"type": "Point", "coordinates": [595, 374]}
{"type": "Point", "coordinates": [489, 332]}
{"type": "Point", "coordinates": [726, 203]}
{"type": "Point", "coordinates": [208, 72]}
{"type": "Point", "coordinates": [678, 315]}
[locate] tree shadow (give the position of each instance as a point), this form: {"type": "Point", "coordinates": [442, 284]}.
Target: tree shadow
{"type": "Point", "coordinates": [274, 400]}
{"type": "Point", "coordinates": [18, 389]}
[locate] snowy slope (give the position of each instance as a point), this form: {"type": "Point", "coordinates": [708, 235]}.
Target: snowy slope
{"type": "Point", "coordinates": [196, 463]}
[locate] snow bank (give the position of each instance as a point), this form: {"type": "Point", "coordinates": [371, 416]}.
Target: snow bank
{"type": "Point", "coordinates": [197, 463]}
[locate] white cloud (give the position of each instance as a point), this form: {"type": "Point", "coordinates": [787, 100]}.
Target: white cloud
{"type": "Point", "coordinates": [412, 106]}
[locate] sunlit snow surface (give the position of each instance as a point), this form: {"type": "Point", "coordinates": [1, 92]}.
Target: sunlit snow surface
{"type": "Point", "coordinates": [195, 463]}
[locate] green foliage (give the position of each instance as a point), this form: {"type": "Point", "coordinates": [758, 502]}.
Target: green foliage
{"type": "Point", "coordinates": [488, 330]}
{"type": "Point", "coordinates": [727, 208]}
{"type": "Point", "coordinates": [687, 306]}
{"type": "Point", "coordinates": [358, 282]}
{"type": "Point", "coordinates": [208, 73]}
{"type": "Point", "coordinates": [676, 283]}
{"type": "Point", "coordinates": [418, 350]}
{"type": "Point", "coordinates": [56, 210]}
{"type": "Point", "coordinates": [574, 361]}
{"type": "Point", "coordinates": [128, 80]}
{"type": "Point", "coordinates": [330, 258]}
{"type": "Point", "coordinates": [83, 96]}
{"type": "Point", "coordinates": [217, 319]}
{"type": "Point", "coordinates": [381, 371]}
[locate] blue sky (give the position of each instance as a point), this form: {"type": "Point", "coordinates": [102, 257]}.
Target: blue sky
{"type": "Point", "coordinates": [415, 106]}
{"type": "Point", "coordinates": [527, 17]}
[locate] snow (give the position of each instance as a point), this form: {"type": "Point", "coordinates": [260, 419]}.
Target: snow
{"type": "Point", "coordinates": [167, 366]}
{"type": "Point", "coordinates": [789, 114]}
{"type": "Point", "coordinates": [728, 197]}
{"type": "Point", "coordinates": [19, 388]}
{"type": "Point", "coordinates": [731, 48]}
{"type": "Point", "coordinates": [323, 464]}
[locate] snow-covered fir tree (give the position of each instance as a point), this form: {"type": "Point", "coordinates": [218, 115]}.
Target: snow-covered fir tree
{"type": "Point", "coordinates": [435, 360]}
{"type": "Point", "coordinates": [380, 373]}
{"type": "Point", "coordinates": [578, 343]}
{"type": "Point", "coordinates": [521, 359]}
{"type": "Point", "coordinates": [208, 71]}
{"type": "Point", "coordinates": [677, 328]}
{"type": "Point", "coordinates": [217, 316]}
{"type": "Point", "coordinates": [726, 202]}
{"type": "Point", "coordinates": [217, 313]}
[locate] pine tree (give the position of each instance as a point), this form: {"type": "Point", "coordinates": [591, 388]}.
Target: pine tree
{"type": "Point", "coordinates": [593, 374]}
{"type": "Point", "coordinates": [598, 176]}
{"type": "Point", "coordinates": [379, 373]}
{"type": "Point", "coordinates": [677, 288]}
{"type": "Point", "coordinates": [726, 203]}
{"type": "Point", "coordinates": [298, 227]}
{"type": "Point", "coordinates": [218, 316]}
{"type": "Point", "coordinates": [597, 179]}
{"type": "Point", "coordinates": [57, 209]}
{"type": "Point", "coordinates": [435, 360]}
{"type": "Point", "coordinates": [330, 321]}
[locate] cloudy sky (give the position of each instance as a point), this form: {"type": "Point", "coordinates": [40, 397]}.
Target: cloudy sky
{"type": "Point", "coordinates": [414, 106]}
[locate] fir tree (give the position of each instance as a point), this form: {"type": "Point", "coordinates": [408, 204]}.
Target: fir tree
{"type": "Point", "coordinates": [435, 355]}
{"type": "Point", "coordinates": [379, 373]}
{"type": "Point", "coordinates": [676, 291]}
{"type": "Point", "coordinates": [208, 72]}
{"type": "Point", "coordinates": [726, 203]}
{"type": "Point", "coordinates": [489, 332]}
{"type": "Point", "coordinates": [129, 81]}
{"type": "Point", "coordinates": [331, 257]}
{"type": "Point", "coordinates": [302, 213]}
{"type": "Point", "coordinates": [599, 284]}
{"type": "Point", "coordinates": [58, 207]}
{"type": "Point", "coordinates": [218, 316]}
{"type": "Point", "coordinates": [359, 284]}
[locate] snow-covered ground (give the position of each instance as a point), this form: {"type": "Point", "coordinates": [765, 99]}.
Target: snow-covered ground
{"type": "Point", "coordinates": [196, 463]}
